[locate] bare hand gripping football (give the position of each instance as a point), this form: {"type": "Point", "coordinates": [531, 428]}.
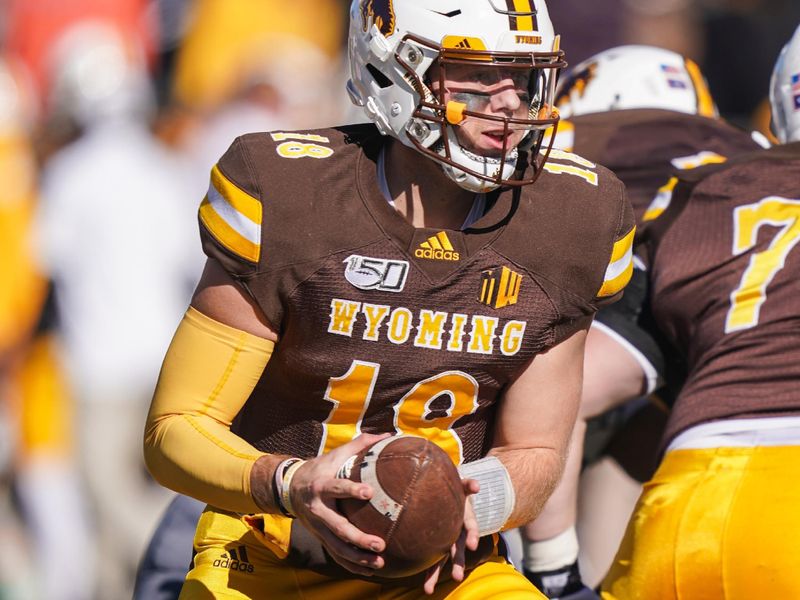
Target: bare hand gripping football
{"type": "Point", "coordinates": [417, 505]}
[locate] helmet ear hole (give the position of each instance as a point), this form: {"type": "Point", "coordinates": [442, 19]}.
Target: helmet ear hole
{"type": "Point", "coordinates": [382, 80]}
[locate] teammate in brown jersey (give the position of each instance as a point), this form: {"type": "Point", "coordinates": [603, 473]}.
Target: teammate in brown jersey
{"type": "Point", "coordinates": [361, 285]}
{"type": "Point", "coordinates": [719, 518]}
{"type": "Point", "coordinates": [646, 114]}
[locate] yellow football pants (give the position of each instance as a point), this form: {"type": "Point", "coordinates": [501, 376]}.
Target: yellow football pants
{"type": "Point", "coordinates": [714, 524]}
{"type": "Point", "coordinates": [43, 403]}
{"type": "Point", "coordinates": [232, 563]}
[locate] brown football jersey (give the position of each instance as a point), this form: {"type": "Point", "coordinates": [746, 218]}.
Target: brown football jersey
{"type": "Point", "coordinates": [645, 147]}
{"type": "Point", "coordinates": [725, 273]}
{"type": "Point", "coordinates": [387, 327]}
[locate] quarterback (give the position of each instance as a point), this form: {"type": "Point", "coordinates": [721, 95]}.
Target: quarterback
{"type": "Point", "coordinates": [433, 272]}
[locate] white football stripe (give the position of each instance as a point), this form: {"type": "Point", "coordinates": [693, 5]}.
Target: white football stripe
{"type": "Point", "coordinates": [661, 202]}
{"type": "Point", "coordinates": [617, 268]}
{"type": "Point", "coordinates": [245, 227]}
{"type": "Point", "coordinates": [380, 500]}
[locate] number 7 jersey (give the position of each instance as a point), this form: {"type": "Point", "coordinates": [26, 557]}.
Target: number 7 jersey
{"type": "Point", "coordinates": [387, 327]}
{"type": "Point", "coordinates": [725, 272]}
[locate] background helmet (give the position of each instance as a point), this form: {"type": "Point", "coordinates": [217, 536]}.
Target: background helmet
{"type": "Point", "coordinates": [97, 74]}
{"type": "Point", "coordinates": [634, 76]}
{"type": "Point", "coordinates": [392, 45]}
{"type": "Point", "coordinates": [784, 92]}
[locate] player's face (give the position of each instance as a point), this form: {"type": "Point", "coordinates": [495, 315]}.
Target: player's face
{"type": "Point", "coordinates": [490, 90]}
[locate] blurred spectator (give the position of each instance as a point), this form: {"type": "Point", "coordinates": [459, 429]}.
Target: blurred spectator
{"type": "Point", "coordinates": [31, 381]}
{"type": "Point", "coordinates": [257, 68]}
{"type": "Point", "coordinates": [173, 18]}
{"type": "Point", "coordinates": [23, 292]}
{"type": "Point", "coordinates": [288, 91]}
{"type": "Point", "coordinates": [117, 233]}
{"type": "Point", "coordinates": [224, 48]}
{"type": "Point", "coordinates": [32, 28]}
{"type": "Point", "coordinates": [46, 473]}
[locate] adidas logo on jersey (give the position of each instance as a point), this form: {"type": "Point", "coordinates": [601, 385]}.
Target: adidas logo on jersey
{"type": "Point", "coordinates": [437, 247]}
{"type": "Point", "coordinates": [235, 559]}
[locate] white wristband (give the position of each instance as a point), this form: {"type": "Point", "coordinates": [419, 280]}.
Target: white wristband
{"type": "Point", "coordinates": [288, 469]}
{"type": "Point", "coordinates": [494, 503]}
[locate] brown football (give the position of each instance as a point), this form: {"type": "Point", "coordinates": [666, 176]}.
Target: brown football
{"type": "Point", "coordinates": [417, 505]}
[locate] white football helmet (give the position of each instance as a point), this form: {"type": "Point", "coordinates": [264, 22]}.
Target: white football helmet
{"type": "Point", "coordinates": [634, 76]}
{"type": "Point", "coordinates": [97, 74]}
{"type": "Point", "coordinates": [784, 92]}
{"type": "Point", "coordinates": [392, 45]}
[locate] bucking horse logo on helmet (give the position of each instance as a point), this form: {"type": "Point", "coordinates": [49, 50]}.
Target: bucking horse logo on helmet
{"type": "Point", "coordinates": [382, 13]}
{"type": "Point", "coordinates": [576, 84]}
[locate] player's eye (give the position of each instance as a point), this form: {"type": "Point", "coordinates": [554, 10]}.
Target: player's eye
{"type": "Point", "coordinates": [474, 101]}
{"type": "Point", "coordinates": [484, 78]}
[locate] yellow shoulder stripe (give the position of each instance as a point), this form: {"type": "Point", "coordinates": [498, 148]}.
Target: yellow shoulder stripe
{"type": "Point", "coordinates": [233, 217]}
{"type": "Point", "coordinates": [237, 198]}
{"type": "Point", "coordinates": [623, 246]}
{"type": "Point", "coordinates": [661, 202]}
{"type": "Point", "coordinates": [620, 267]}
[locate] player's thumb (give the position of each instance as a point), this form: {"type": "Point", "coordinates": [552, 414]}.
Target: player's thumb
{"type": "Point", "coordinates": [346, 453]}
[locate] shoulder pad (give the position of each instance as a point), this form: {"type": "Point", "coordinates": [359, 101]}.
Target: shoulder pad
{"type": "Point", "coordinates": [280, 166]}
{"type": "Point", "coordinates": [231, 213]}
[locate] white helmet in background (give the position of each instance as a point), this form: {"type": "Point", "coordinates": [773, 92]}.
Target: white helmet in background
{"type": "Point", "coordinates": [784, 92]}
{"type": "Point", "coordinates": [393, 43]}
{"type": "Point", "coordinates": [628, 77]}
{"type": "Point", "coordinates": [96, 74]}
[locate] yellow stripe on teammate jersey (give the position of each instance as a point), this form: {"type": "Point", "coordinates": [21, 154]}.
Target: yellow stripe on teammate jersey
{"type": "Point", "coordinates": [620, 267]}
{"type": "Point", "coordinates": [705, 103]}
{"type": "Point", "coordinates": [565, 136]}
{"type": "Point", "coordinates": [662, 200]}
{"type": "Point", "coordinates": [233, 217]}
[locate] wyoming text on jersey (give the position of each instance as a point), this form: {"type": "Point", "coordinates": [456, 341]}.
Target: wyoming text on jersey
{"type": "Point", "coordinates": [435, 330]}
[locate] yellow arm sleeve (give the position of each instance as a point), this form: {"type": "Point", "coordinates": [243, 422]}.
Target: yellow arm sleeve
{"type": "Point", "coordinates": [208, 374]}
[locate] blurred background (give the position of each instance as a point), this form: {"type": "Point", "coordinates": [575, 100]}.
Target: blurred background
{"type": "Point", "coordinates": [112, 113]}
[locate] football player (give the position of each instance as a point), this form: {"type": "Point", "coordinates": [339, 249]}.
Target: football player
{"type": "Point", "coordinates": [645, 113]}
{"type": "Point", "coordinates": [404, 276]}
{"type": "Point", "coordinates": [718, 519]}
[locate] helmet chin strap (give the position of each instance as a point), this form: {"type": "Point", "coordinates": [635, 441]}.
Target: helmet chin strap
{"type": "Point", "coordinates": [485, 165]}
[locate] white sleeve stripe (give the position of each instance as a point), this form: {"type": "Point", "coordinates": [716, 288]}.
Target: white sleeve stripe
{"type": "Point", "coordinates": [618, 267]}
{"type": "Point", "coordinates": [240, 223]}
{"type": "Point", "coordinates": [649, 370]}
